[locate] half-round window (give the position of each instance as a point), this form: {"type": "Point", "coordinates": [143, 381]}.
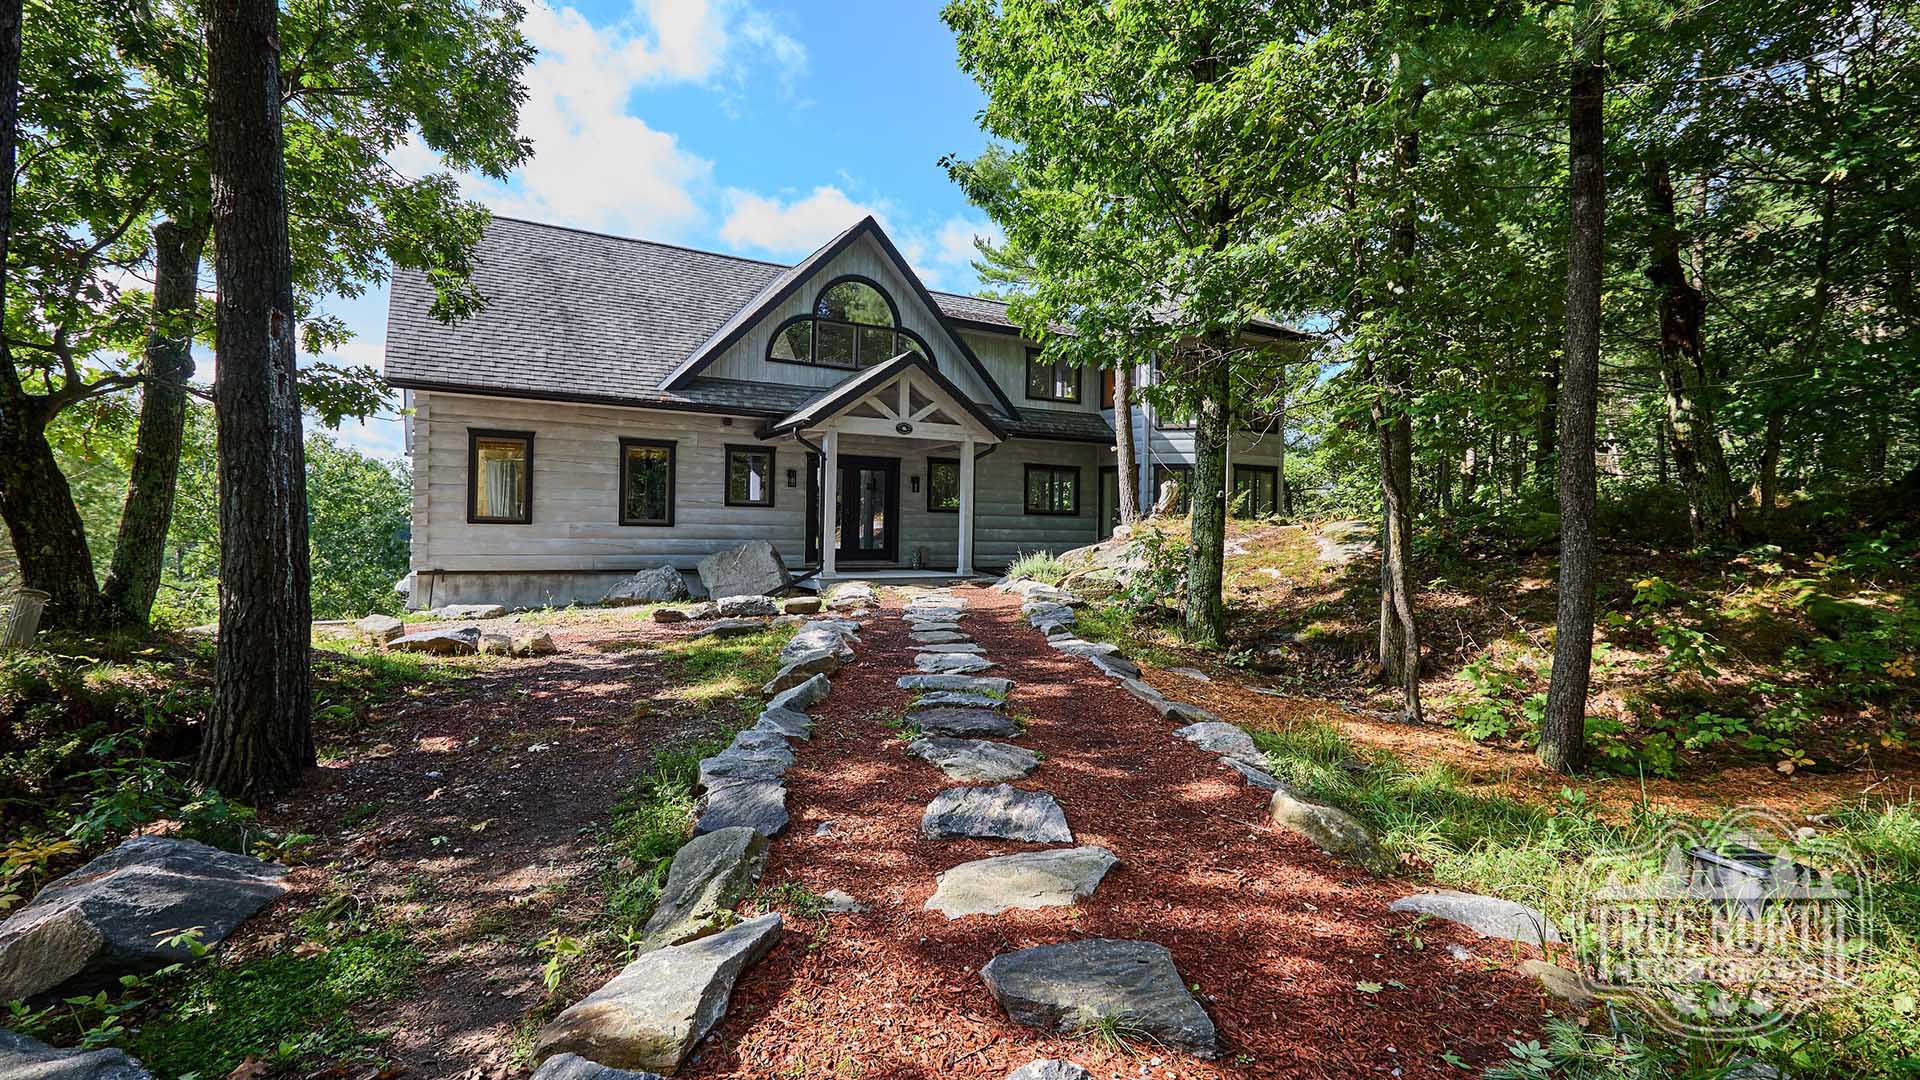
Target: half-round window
{"type": "Point", "coordinates": [853, 325]}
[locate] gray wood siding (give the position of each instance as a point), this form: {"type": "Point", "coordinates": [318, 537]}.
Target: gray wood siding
{"type": "Point", "coordinates": [746, 359]}
{"type": "Point", "coordinates": [1005, 358]}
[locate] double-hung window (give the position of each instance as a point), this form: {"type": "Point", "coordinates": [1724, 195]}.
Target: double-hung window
{"type": "Point", "coordinates": [749, 476]}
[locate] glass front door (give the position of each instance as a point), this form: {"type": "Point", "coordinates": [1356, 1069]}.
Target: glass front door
{"type": "Point", "coordinates": [867, 522]}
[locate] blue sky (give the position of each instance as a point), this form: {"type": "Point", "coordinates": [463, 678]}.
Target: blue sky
{"type": "Point", "coordinates": [746, 126]}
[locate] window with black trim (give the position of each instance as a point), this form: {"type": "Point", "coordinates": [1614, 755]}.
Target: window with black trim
{"type": "Point", "coordinates": [1106, 389]}
{"type": "Point", "coordinates": [1183, 476]}
{"type": "Point", "coordinates": [499, 477]}
{"type": "Point", "coordinates": [1256, 490]}
{"type": "Point", "coordinates": [1174, 418]}
{"type": "Point", "coordinates": [1051, 380]}
{"type": "Point", "coordinates": [853, 325]}
{"type": "Point", "coordinates": [749, 476]}
{"type": "Point", "coordinates": [943, 485]}
{"type": "Point", "coordinates": [646, 481]}
{"type": "Point", "coordinates": [1053, 490]}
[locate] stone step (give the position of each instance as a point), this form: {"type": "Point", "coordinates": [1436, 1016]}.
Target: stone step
{"type": "Point", "coordinates": [953, 647]}
{"type": "Point", "coordinates": [1027, 881]}
{"type": "Point", "coordinates": [952, 663]}
{"type": "Point", "coordinates": [1064, 987]}
{"type": "Point", "coordinates": [940, 637]}
{"type": "Point", "coordinates": [999, 812]}
{"type": "Point", "coordinates": [960, 723]}
{"type": "Point", "coordinates": [965, 684]}
{"type": "Point", "coordinates": [975, 759]}
{"type": "Point", "coordinates": [932, 698]}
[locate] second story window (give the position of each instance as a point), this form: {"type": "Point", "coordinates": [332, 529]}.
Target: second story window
{"type": "Point", "coordinates": [1053, 380]}
{"type": "Point", "coordinates": [853, 325]}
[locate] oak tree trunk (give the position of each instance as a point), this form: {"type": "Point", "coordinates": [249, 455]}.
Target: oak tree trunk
{"type": "Point", "coordinates": [140, 551]}
{"type": "Point", "coordinates": [259, 734]}
{"type": "Point", "coordinates": [1206, 617]}
{"type": "Point", "coordinates": [1563, 726]}
{"type": "Point", "coordinates": [1123, 459]}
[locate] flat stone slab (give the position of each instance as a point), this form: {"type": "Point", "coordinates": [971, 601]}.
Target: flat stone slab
{"type": "Point", "coordinates": [1227, 740]}
{"type": "Point", "coordinates": [1258, 778]}
{"type": "Point", "coordinates": [1066, 986]}
{"type": "Point", "coordinates": [1045, 1069]}
{"type": "Point", "coordinates": [1489, 916]}
{"type": "Point", "coordinates": [22, 1058]}
{"type": "Point", "coordinates": [726, 628]}
{"type": "Point", "coordinates": [760, 805]}
{"type": "Point", "coordinates": [111, 917]}
{"type": "Point", "coordinates": [471, 611]}
{"type": "Point", "coordinates": [952, 663]}
{"type": "Point", "coordinates": [998, 812]}
{"type": "Point", "coordinates": [460, 641]}
{"type": "Point", "coordinates": [803, 697]}
{"type": "Point", "coordinates": [805, 666]}
{"type": "Point", "coordinates": [940, 637]}
{"type": "Point", "coordinates": [975, 759]}
{"type": "Point", "coordinates": [1027, 881]}
{"type": "Point", "coordinates": [1192, 673]}
{"type": "Point", "coordinates": [786, 723]}
{"type": "Point", "coordinates": [747, 759]}
{"type": "Point", "coordinates": [1081, 647]}
{"type": "Point", "coordinates": [964, 723]}
{"type": "Point", "coordinates": [932, 698]}
{"type": "Point", "coordinates": [709, 875]}
{"type": "Point", "coordinates": [652, 1013]}
{"type": "Point", "coordinates": [966, 684]}
{"type": "Point", "coordinates": [1116, 666]}
{"type": "Point", "coordinates": [953, 647]}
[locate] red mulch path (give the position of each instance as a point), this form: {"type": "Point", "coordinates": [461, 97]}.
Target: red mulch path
{"type": "Point", "coordinates": [1274, 934]}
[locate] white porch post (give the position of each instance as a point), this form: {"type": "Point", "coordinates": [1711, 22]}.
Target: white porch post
{"type": "Point", "coordinates": [965, 569]}
{"type": "Point", "coordinates": [829, 505]}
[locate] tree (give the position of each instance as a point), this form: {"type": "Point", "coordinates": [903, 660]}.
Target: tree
{"type": "Point", "coordinates": [259, 732]}
{"type": "Point", "coordinates": [117, 182]}
{"type": "Point", "coordinates": [1563, 726]}
{"type": "Point", "coordinates": [1123, 457]}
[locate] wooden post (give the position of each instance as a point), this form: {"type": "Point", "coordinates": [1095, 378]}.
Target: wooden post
{"type": "Point", "coordinates": [965, 568]}
{"type": "Point", "coordinates": [829, 504]}
{"type": "Point", "coordinates": [23, 618]}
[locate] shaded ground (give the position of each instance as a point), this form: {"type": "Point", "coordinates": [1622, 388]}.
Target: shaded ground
{"type": "Point", "coordinates": [1294, 955]}
{"type": "Point", "coordinates": [468, 811]}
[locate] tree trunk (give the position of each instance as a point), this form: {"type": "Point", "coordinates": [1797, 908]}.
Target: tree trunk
{"type": "Point", "coordinates": [1770, 463]}
{"type": "Point", "coordinates": [1123, 459]}
{"type": "Point", "coordinates": [1563, 727]}
{"type": "Point", "coordinates": [140, 550]}
{"type": "Point", "coordinates": [1546, 423]}
{"type": "Point", "coordinates": [1697, 453]}
{"type": "Point", "coordinates": [1282, 501]}
{"type": "Point", "coordinates": [1660, 448]}
{"type": "Point", "coordinates": [259, 732]}
{"type": "Point", "coordinates": [1393, 426]}
{"type": "Point", "coordinates": [1206, 609]}
{"type": "Point", "coordinates": [49, 538]}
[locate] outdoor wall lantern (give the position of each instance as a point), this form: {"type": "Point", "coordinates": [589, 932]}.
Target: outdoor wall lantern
{"type": "Point", "coordinates": [793, 477]}
{"type": "Point", "coordinates": [913, 484]}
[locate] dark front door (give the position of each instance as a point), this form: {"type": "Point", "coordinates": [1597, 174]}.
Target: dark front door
{"type": "Point", "coordinates": [867, 524]}
{"type": "Point", "coordinates": [1109, 499]}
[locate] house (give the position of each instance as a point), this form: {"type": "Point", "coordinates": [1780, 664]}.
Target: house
{"type": "Point", "coordinates": [621, 404]}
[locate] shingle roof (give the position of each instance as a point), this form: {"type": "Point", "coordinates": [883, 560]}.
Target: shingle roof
{"type": "Point", "coordinates": [584, 316]}
{"type": "Point", "coordinates": [1061, 424]}
{"type": "Point", "coordinates": [848, 391]}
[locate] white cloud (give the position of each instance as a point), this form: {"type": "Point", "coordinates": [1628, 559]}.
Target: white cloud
{"type": "Point", "coordinates": [765, 223]}
{"type": "Point", "coordinates": [596, 165]}
{"type": "Point", "coordinates": [955, 240]}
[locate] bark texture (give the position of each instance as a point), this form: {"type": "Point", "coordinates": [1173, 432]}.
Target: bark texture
{"type": "Point", "coordinates": [1563, 727]}
{"type": "Point", "coordinates": [1399, 652]}
{"type": "Point", "coordinates": [140, 550]}
{"type": "Point", "coordinates": [1690, 399]}
{"type": "Point", "coordinates": [259, 734]}
{"type": "Point", "coordinates": [1123, 456]}
{"type": "Point", "coordinates": [1206, 617]}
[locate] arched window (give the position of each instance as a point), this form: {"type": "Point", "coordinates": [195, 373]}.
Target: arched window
{"type": "Point", "coordinates": [853, 325]}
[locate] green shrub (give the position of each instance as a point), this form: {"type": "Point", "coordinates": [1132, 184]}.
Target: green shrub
{"type": "Point", "coordinates": [1036, 566]}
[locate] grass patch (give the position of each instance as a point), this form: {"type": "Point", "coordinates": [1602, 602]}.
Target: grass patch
{"type": "Point", "coordinates": [1531, 853]}
{"type": "Point", "coordinates": [723, 674]}
{"type": "Point", "coordinates": [1143, 638]}
{"type": "Point", "coordinates": [292, 1007]}
{"type": "Point", "coordinates": [1037, 566]}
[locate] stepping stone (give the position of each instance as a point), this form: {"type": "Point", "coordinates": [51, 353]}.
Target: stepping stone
{"type": "Point", "coordinates": [952, 647]}
{"type": "Point", "coordinates": [760, 805]}
{"type": "Point", "coordinates": [975, 759]}
{"type": "Point", "coordinates": [963, 723]}
{"type": "Point", "coordinates": [999, 812]}
{"type": "Point", "coordinates": [952, 663]}
{"type": "Point", "coordinates": [1118, 667]}
{"type": "Point", "coordinates": [1227, 740]}
{"type": "Point", "coordinates": [709, 875]}
{"type": "Point", "coordinates": [738, 762]}
{"type": "Point", "coordinates": [930, 612]}
{"type": "Point", "coordinates": [1046, 1069]}
{"type": "Point", "coordinates": [823, 661]}
{"type": "Point", "coordinates": [113, 916]}
{"type": "Point", "coordinates": [785, 723]}
{"type": "Point", "coordinates": [1027, 881]}
{"type": "Point", "coordinates": [966, 684]}
{"type": "Point", "coordinates": [1487, 915]}
{"type": "Point", "coordinates": [941, 637]}
{"type": "Point", "coordinates": [1064, 987]}
{"type": "Point", "coordinates": [1053, 627]}
{"type": "Point", "coordinates": [956, 698]}
{"type": "Point", "coordinates": [652, 1014]}
{"type": "Point", "coordinates": [1074, 646]}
